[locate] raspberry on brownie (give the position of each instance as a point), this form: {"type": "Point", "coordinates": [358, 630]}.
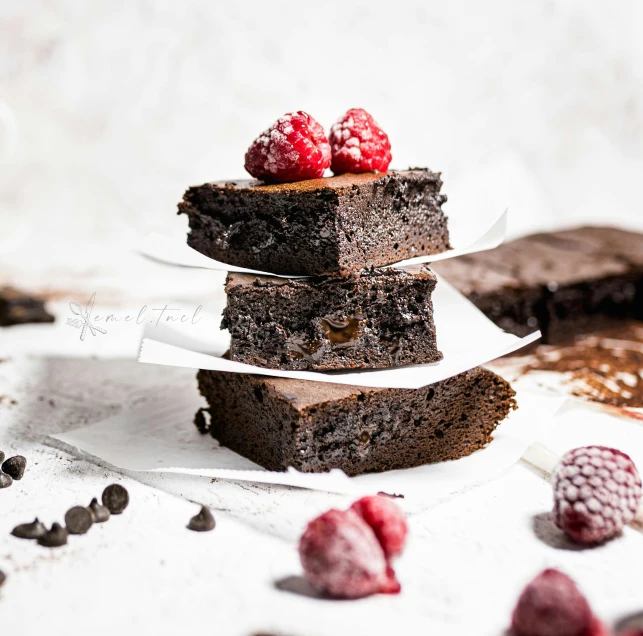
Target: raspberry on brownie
{"type": "Point", "coordinates": [294, 148]}
{"type": "Point", "coordinates": [358, 144]}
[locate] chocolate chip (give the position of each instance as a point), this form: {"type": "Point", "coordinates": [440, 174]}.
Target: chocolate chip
{"type": "Point", "coordinates": [5, 480]}
{"type": "Point", "coordinates": [78, 520]}
{"type": "Point", "coordinates": [99, 513]}
{"type": "Point", "coordinates": [115, 498]}
{"type": "Point", "coordinates": [203, 522]}
{"type": "Point", "coordinates": [2, 456]}
{"type": "Point", "coordinates": [15, 466]}
{"type": "Point", "coordinates": [55, 537]}
{"type": "Point", "coordinates": [33, 530]}
{"type": "Point", "coordinates": [3, 577]}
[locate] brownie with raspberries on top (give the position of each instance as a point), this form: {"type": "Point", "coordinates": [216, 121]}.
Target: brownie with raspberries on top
{"type": "Point", "coordinates": [329, 226]}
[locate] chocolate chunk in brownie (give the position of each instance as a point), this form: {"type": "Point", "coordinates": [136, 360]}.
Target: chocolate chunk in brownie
{"type": "Point", "coordinates": [562, 283]}
{"type": "Point", "coordinates": [316, 426]}
{"type": "Point", "coordinates": [337, 225]}
{"type": "Point", "coordinates": [18, 308]}
{"type": "Point", "coordinates": [376, 318]}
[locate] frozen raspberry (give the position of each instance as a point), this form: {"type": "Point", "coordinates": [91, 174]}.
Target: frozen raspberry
{"type": "Point", "coordinates": [359, 144]}
{"type": "Point", "coordinates": [342, 558]}
{"type": "Point", "coordinates": [597, 491]}
{"type": "Point", "coordinates": [552, 605]}
{"type": "Point", "coordinates": [294, 148]}
{"type": "Point", "coordinates": [387, 521]}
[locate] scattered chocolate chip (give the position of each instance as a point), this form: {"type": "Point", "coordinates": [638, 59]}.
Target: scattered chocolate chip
{"type": "Point", "coordinates": [55, 537]}
{"type": "Point", "coordinates": [3, 577]}
{"type": "Point", "coordinates": [5, 480]}
{"type": "Point", "coordinates": [115, 498]}
{"type": "Point", "coordinates": [99, 513]}
{"type": "Point", "coordinates": [78, 520]}
{"type": "Point", "coordinates": [15, 466]}
{"type": "Point", "coordinates": [2, 456]}
{"type": "Point", "coordinates": [33, 530]}
{"type": "Point", "coordinates": [203, 522]}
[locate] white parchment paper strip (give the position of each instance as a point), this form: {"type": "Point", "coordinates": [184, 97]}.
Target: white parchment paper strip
{"type": "Point", "coordinates": [162, 438]}
{"type": "Point", "coordinates": [466, 337]}
{"type": "Point", "coordinates": [466, 237]}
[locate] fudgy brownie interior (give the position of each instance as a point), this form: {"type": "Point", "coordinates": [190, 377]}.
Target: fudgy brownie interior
{"type": "Point", "coordinates": [376, 318]}
{"type": "Point", "coordinates": [337, 225]}
{"type": "Point", "coordinates": [316, 426]}
{"type": "Point", "coordinates": [562, 283]}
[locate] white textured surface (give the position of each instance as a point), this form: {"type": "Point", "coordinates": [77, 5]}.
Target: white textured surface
{"type": "Point", "coordinates": [144, 572]}
{"type": "Point", "coordinates": [118, 106]}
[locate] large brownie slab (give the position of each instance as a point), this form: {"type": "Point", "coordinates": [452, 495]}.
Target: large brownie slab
{"type": "Point", "coordinates": [374, 319]}
{"type": "Point", "coordinates": [337, 225]}
{"type": "Point", "coordinates": [562, 283]}
{"type": "Point", "coordinates": [316, 426]}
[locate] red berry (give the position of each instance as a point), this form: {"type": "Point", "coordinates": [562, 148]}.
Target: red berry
{"type": "Point", "coordinates": [359, 144]}
{"type": "Point", "coordinates": [294, 148]}
{"type": "Point", "coordinates": [597, 490]}
{"type": "Point", "coordinates": [386, 519]}
{"type": "Point", "coordinates": [552, 605]}
{"type": "Point", "coordinates": [342, 558]}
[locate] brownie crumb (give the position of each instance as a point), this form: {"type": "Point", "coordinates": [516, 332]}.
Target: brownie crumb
{"type": "Point", "coordinates": [201, 421]}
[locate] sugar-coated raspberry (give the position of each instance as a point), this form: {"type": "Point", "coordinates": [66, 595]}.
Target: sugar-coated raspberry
{"type": "Point", "coordinates": [386, 519]}
{"type": "Point", "coordinates": [597, 490]}
{"type": "Point", "coordinates": [358, 144]}
{"type": "Point", "coordinates": [552, 605]}
{"type": "Point", "coordinates": [294, 148]}
{"type": "Point", "coordinates": [342, 557]}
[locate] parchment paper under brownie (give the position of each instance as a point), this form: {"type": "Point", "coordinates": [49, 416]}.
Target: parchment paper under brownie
{"type": "Point", "coordinates": [316, 426]}
{"type": "Point", "coordinates": [376, 318]}
{"type": "Point", "coordinates": [562, 283]}
{"type": "Point", "coordinates": [336, 225]}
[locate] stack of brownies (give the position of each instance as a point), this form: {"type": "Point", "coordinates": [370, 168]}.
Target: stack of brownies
{"type": "Point", "coordinates": [339, 310]}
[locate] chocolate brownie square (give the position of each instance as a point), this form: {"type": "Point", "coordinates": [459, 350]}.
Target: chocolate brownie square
{"type": "Point", "coordinates": [315, 426]}
{"type": "Point", "coordinates": [336, 226]}
{"type": "Point", "coordinates": [376, 318]}
{"type": "Point", "coordinates": [562, 283]}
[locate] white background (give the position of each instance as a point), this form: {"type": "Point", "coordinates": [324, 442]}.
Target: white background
{"type": "Point", "coordinates": [119, 106]}
{"type": "Point", "coordinates": [116, 108]}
